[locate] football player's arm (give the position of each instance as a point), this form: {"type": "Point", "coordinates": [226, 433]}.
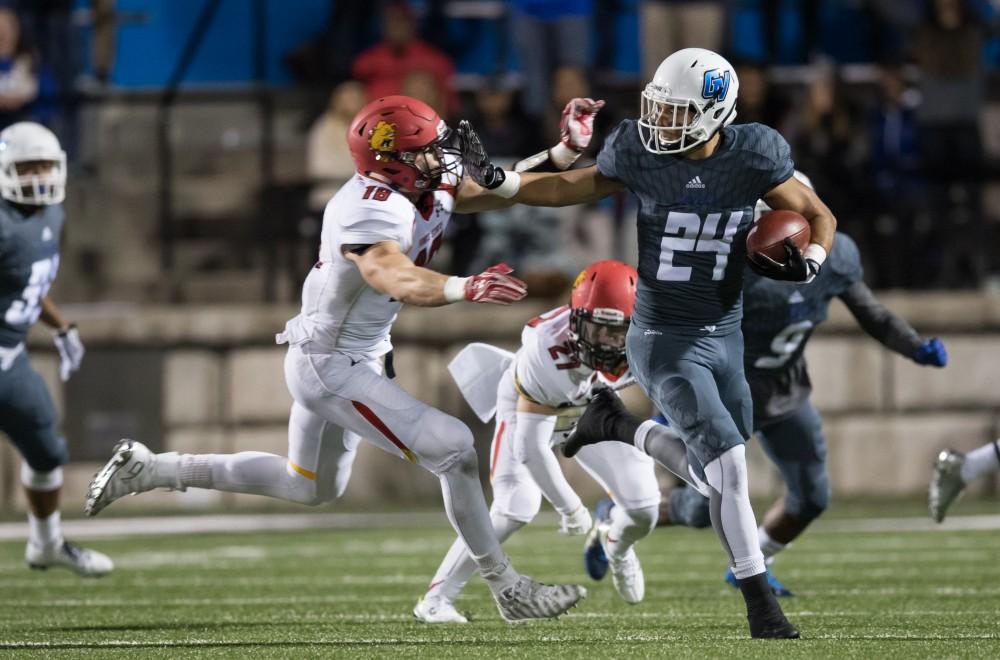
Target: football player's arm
{"type": "Point", "coordinates": [66, 338]}
{"type": "Point", "coordinates": [533, 447]}
{"type": "Point", "coordinates": [793, 195]}
{"type": "Point", "coordinates": [580, 186]}
{"type": "Point", "coordinates": [891, 330]}
{"type": "Point", "coordinates": [386, 268]}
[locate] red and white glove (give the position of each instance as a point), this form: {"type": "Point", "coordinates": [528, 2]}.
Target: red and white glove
{"type": "Point", "coordinates": [493, 285]}
{"type": "Point", "coordinates": [576, 127]}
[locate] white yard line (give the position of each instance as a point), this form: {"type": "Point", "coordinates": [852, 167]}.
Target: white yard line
{"type": "Point", "coordinates": [226, 523]}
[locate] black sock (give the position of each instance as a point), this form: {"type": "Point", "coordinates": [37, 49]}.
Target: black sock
{"type": "Point", "coordinates": [757, 593]}
{"type": "Point", "coordinates": [623, 427]}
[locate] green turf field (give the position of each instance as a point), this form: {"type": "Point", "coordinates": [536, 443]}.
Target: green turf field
{"type": "Point", "coordinates": [349, 592]}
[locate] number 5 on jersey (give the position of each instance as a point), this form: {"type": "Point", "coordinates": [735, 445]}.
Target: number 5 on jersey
{"type": "Point", "coordinates": [685, 232]}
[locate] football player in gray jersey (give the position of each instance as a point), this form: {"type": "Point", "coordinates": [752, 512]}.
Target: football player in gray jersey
{"type": "Point", "coordinates": [697, 179]}
{"type": "Point", "coordinates": [32, 187]}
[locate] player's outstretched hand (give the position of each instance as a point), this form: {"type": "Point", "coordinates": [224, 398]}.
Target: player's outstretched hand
{"type": "Point", "coordinates": [475, 161]}
{"type": "Point", "coordinates": [71, 351]}
{"type": "Point", "coordinates": [931, 353]}
{"type": "Point", "coordinates": [495, 285]}
{"type": "Point", "coordinates": [576, 127]}
{"type": "Point", "coordinates": [577, 523]}
{"type": "Point", "coordinates": [795, 269]}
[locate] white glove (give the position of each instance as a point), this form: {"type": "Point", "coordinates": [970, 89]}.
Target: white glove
{"type": "Point", "coordinates": [70, 351]}
{"type": "Point", "coordinates": [577, 523]}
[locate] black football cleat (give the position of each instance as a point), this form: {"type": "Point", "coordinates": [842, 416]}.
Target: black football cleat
{"type": "Point", "coordinates": [604, 419]}
{"type": "Point", "coordinates": [772, 626]}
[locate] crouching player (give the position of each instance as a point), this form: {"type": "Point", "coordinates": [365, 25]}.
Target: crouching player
{"type": "Point", "coordinates": [33, 186]}
{"type": "Point", "coordinates": [566, 355]}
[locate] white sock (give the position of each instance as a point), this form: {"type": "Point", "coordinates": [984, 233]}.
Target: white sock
{"type": "Point", "coordinates": [46, 532]}
{"type": "Point", "coordinates": [628, 526]}
{"type": "Point", "coordinates": [250, 472]}
{"type": "Point", "coordinates": [768, 546]}
{"type": "Point", "coordinates": [737, 528]}
{"type": "Point", "coordinates": [458, 565]}
{"type": "Point", "coordinates": [982, 461]}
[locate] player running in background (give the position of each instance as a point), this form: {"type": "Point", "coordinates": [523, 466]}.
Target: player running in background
{"type": "Point", "coordinates": [379, 231]}
{"type": "Point", "coordinates": [778, 319]}
{"type": "Point", "coordinates": [33, 186]}
{"type": "Point", "coordinates": [953, 471]}
{"type": "Point", "coordinates": [697, 179]}
{"type": "Point", "coordinates": [537, 395]}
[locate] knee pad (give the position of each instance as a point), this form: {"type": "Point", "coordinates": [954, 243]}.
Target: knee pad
{"type": "Point", "coordinates": [450, 444]}
{"type": "Point", "coordinates": [690, 508]}
{"type": "Point", "coordinates": [41, 481]}
{"type": "Point", "coordinates": [644, 519]}
{"type": "Point", "coordinates": [729, 471]}
{"type": "Point", "coordinates": [517, 500]}
{"type": "Point", "coordinates": [807, 500]}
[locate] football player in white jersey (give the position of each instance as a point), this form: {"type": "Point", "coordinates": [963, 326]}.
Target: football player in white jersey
{"type": "Point", "coordinates": [379, 231]}
{"type": "Point", "coordinates": [566, 355]}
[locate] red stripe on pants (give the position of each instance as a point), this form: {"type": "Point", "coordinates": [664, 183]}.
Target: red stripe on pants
{"type": "Point", "coordinates": [496, 447]}
{"type": "Point", "coordinates": [374, 420]}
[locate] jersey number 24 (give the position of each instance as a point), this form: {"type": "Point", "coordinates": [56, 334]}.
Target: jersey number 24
{"type": "Point", "coordinates": [686, 232]}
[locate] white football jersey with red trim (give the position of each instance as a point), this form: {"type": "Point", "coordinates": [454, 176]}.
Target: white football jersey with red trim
{"type": "Point", "coordinates": [340, 312]}
{"type": "Point", "coordinates": [546, 369]}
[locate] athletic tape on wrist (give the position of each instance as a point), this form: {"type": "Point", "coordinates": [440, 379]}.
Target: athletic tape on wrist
{"type": "Point", "coordinates": [454, 289]}
{"type": "Point", "coordinates": [511, 184]}
{"type": "Point", "coordinates": [816, 252]}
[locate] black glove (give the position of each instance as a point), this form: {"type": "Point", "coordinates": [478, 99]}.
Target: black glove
{"type": "Point", "coordinates": [474, 159]}
{"type": "Point", "coordinates": [795, 269]}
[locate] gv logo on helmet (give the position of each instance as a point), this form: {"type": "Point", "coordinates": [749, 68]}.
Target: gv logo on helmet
{"type": "Point", "coordinates": [716, 85]}
{"type": "Point", "coordinates": [383, 137]}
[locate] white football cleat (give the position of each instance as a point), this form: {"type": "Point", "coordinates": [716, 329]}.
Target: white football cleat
{"type": "Point", "coordinates": [88, 563]}
{"type": "Point", "coordinates": [946, 483]}
{"type": "Point", "coordinates": [129, 471]}
{"type": "Point", "coordinates": [437, 609]}
{"type": "Point", "coordinates": [528, 600]}
{"type": "Point", "coordinates": [626, 574]}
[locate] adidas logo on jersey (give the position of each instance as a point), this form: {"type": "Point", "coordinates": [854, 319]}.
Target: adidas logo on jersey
{"type": "Point", "coordinates": [46, 234]}
{"type": "Point", "coordinates": [695, 183]}
{"type": "Point", "coordinates": [796, 297]}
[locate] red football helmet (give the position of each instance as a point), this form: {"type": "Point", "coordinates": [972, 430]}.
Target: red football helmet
{"type": "Point", "coordinates": [402, 141]}
{"type": "Point", "coordinates": [602, 301]}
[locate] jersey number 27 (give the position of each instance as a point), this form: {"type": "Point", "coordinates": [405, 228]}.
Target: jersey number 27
{"type": "Point", "coordinates": [686, 232]}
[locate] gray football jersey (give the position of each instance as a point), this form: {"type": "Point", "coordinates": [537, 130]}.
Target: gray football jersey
{"type": "Point", "coordinates": [29, 260]}
{"type": "Point", "coordinates": [693, 219]}
{"type": "Point", "coordinates": [779, 317]}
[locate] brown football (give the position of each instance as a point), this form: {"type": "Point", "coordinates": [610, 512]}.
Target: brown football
{"type": "Point", "coordinates": [768, 235]}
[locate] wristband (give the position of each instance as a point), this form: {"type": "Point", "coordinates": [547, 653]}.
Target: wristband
{"type": "Point", "coordinates": [511, 184]}
{"type": "Point", "coordinates": [815, 252]}
{"type": "Point", "coordinates": [454, 289]}
{"type": "Point", "coordinates": [562, 156]}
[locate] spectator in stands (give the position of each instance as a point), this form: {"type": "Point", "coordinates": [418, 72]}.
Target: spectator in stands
{"type": "Point", "coordinates": [948, 48]}
{"type": "Point", "coordinates": [808, 14]}
{"type": "Point", "coordinates": [18, 71]}
{"type": "Point", "coordinates": [422, 85]}
{"type": "Point", "coordinates": [384, 67]}
{"type": "Point", "coordinates": [328, 161]}
{"type": "Point", "coordinates": [669, 25]}
{"type": "Point", "coordinates": [501, 123]}
{"type": "Point", "coordinates": [758, 102]}
{"type": "Point", "coordinates": [895, 185]}
{"type": "Point", "coordinates": [550, 34]}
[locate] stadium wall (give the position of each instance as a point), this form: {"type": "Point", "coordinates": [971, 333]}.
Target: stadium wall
{"type": "Point", "coordinates": [210, 379]}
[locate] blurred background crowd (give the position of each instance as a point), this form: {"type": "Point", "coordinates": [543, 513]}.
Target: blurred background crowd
{"type": "Point", "coordinates": [205, 136]}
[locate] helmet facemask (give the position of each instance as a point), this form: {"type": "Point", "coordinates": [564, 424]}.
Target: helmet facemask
{"type": "Point", "coordinates": [433, 162]}
{"type": "Point", "coordinates": [600, 339]}
{"type": "Point", "coordinates": [33, 182]}
{"type": "Point", "coordinates": [672, 125]}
